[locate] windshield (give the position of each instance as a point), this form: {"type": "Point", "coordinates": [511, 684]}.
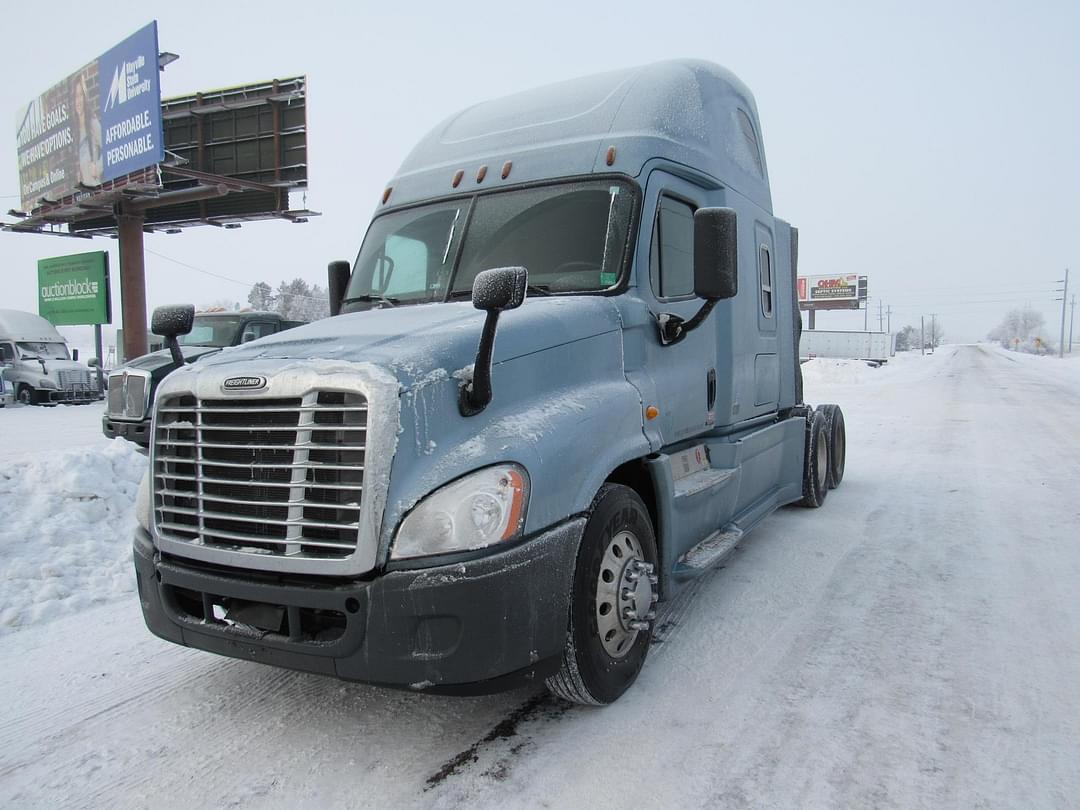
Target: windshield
{"type": "Point", "coordinates": [571, 237]}
{"type": "Point", "coordinates": [28, 350]}
{"type": "Point", "coordinates": [211, 331]}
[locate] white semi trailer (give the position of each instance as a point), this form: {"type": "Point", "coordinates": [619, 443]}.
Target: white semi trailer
{"type": "Point", "coordinates": [875, 346]}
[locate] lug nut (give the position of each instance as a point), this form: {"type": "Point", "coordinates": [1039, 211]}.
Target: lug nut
{"type": "Point", "coordinates": [650, 615]}
{"type": "Point", "coordinates": [654, 579]}
{"type": "Point", "coordinates": [632, 575]}
{"type": "Point", "coordinates": [627, 594]}
{"type": "Point", "coordinates": [639, 625]}
{"type": "Point", "coordinates": [629, 614]}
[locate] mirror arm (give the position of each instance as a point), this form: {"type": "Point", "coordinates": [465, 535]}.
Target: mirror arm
{"type": "Point", "coordinates": [474, 395]}
{"type": "Point", "coordinates": [174, 349]}
{"type": "Point", "coordinates": [673, 328]}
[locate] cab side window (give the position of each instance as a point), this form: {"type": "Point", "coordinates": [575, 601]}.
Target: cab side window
{"type": "Point", "coordinates": [671, 258]}
{"type": "Point", "coordinates": [765, 270]}
{"type": "Point", "coordinates": [257, 329]}
{"type": "Point", "coordinates": [7, 354]}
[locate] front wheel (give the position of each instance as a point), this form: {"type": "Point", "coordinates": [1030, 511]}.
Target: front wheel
{"type": "Point", "coordinates": [26, 395]}
{"type": "Point", "coordinates": [612, 601]}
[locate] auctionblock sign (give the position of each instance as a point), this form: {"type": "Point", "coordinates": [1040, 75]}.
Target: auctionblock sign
{"type": "Point", "coordinates": [74, 290]}
{"type": "Point", "coordinates": [100, 123]}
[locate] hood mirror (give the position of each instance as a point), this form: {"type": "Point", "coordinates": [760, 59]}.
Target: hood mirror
{"type": "Point", "coordinates": [493, 291]}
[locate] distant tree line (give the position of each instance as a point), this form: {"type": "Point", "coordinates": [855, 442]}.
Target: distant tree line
{"type": "Point", "coordinates": [910, 339]}
{"type": "Point", "coordinates": [294, 300]}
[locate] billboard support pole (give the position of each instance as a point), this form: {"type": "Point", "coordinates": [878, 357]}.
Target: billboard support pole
{"type": "Point", "coordinates": [132, 281]}
{"type": "Point", "coordinates": [812, 323]}
{"type": "Point", "coordinates": [100, 358]}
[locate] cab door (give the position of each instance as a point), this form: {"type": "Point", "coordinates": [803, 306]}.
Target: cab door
{"type": "Point", "coordinates": [683, 373]}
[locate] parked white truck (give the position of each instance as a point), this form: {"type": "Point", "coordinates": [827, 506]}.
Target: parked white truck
{"type": "Point", "coordinates": [38, 365]}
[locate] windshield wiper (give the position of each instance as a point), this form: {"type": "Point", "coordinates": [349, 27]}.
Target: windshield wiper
{"type": "Point", "coordinates": [382, 299]}
{"type": "Point", "coordinates": [538, 289]}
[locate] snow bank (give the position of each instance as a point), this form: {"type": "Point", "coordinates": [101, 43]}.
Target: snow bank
{"type": "Point", "coordinates": [66, 520]}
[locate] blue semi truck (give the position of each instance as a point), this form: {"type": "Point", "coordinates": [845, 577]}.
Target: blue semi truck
{"type": "Point", "coordinates": [560, 382]}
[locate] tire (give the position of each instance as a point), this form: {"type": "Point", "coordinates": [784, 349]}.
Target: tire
{"type": "Point", "coordinates": [837, 433]}
{"type": "Point", "coordinates": [816, 462]}
{"type": "Point", "coordinates": [618, 539]}
{"type": "Point", "coordinates": [26, 395]}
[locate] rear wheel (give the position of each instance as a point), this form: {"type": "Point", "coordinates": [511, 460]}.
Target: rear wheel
{"type": "Point", "coordinates": [611, 602]}
{"type": "Point", "coordinates": [837, 434]}
{"type": "Point", "coordinates": [816, 462]}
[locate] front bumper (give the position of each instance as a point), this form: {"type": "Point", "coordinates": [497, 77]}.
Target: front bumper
{"type": "Point", "coordinates": [138, 432]}
{"type": "Point", "coordinates": [476, 627]}
{"type": "Point", "coordinates": [72, 397]}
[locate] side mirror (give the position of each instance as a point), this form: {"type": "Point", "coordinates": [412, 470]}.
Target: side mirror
{"type": "Point", "coordinates": [492, 291]}
{"type": "Point", "coordinates": [75, 355]}
{"type": "Point", "coordinates": [170, 322]}
{"type": "Point", "coordinates": [716, 270]}
{"type": "Point", "coordinates": [94, 362]}
{"type": "Point", "coordinates": [716, 253]}
{"type": "Point", "coordinates": [337, 281]}
{"type": "Point", "coordinates": [499, 289]}
{"type": "Point", "coordinates": [247, 337]}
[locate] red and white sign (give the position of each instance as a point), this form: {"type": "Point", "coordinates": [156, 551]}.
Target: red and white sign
{"type": "Point", "coordinates": [817, 289]}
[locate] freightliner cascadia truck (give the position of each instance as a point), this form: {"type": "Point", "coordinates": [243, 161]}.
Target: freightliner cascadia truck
{"type": "Point", "coordinates": [560, 382]}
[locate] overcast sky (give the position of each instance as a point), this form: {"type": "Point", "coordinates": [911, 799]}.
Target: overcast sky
{"type": "Point", "coordinates": [934, 147]}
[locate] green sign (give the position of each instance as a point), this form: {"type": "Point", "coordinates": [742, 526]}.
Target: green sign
{"type": "Point", "coordinates": [74, 290]}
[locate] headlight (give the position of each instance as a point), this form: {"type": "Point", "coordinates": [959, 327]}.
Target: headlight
{"type": "Point", "coordinates": [142, 502]}
{"type": "Point", "coordinates": [481, 509]}
{"type": "Point", "coordinates": [45, 382]}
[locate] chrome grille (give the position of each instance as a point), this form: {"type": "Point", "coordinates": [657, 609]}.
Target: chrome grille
{"type": "Point", "coordinates": [127, 395]}
{"type": "Point", "coordinates": [74, 379]}
{"type": "Point", "coordinates": [269, 476]}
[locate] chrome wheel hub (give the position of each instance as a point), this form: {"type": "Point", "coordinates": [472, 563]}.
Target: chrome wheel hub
{"type": "Point", "coordinates": [625, 594]}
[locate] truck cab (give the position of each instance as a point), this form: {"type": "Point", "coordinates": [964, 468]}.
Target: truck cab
{"type": "Point", "coordinates": [39, 366]}
{"type": "Point", "coordinates": [132, 387]}
{"type": "Point", "coordinates": [561, 382]}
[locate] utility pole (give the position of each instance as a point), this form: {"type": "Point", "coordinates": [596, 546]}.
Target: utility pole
{"type": "Point", "coordinates": [880, 315]}
{"type": "Point", "coordinates": [922, 333]}
{"type": "Point", "coordinates": [1072, 316]}
{"type": "Point", "coordinates": [866, 315]}
{"type": "Point", "coordinates": [1064, 297]}
{"type": "Point", "coordinates": [888, 321]}
{"type": "Point", "coordinates": [933, 332]}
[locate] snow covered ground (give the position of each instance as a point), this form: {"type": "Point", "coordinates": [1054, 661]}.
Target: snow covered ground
{"type": "Point", "coordinates": [914, 643]}
{"type": "Point", "coordinates": [66, 495]}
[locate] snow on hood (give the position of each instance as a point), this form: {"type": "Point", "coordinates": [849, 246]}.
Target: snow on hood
{"type": "Point", "coordinates": [414, 341]}
{"type": "Point", "coordinates": [158, 359]}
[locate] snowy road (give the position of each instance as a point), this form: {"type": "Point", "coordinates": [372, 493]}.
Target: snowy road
{"type": "Point", "coordinates": [915, 643]}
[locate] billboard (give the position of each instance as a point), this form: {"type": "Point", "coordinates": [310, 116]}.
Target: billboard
{"type": "Point", "coordinates": [100, 123]}
{"type": "Point", "coordinates": [839, 291]}
{"type": "Point", "coordinates": [74, 290]}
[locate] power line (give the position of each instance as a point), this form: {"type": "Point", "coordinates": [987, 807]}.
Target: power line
{"type": "Point", "coordinates": [247, 284]}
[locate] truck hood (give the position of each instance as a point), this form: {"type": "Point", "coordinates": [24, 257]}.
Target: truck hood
{"type": "Point", "coordinates": [159, 359]}
{"type": "Point", "coordinates": [417, 341]}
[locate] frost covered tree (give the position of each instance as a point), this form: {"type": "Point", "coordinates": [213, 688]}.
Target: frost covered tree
{"type": "Point", "coordinates": [1019, 329]}
{"type": "Point", "coordinates": [907, 338]}
{"type": "Point", "coordinates": [298, 301]}
{"type": "Point", "coordinates": [261, 296]}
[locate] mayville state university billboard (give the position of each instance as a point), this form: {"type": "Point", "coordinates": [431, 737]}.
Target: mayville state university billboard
{"type": "Point", "coordinates": [74, 290]}
{"type": "Point", "coordinates": [98, 124]}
